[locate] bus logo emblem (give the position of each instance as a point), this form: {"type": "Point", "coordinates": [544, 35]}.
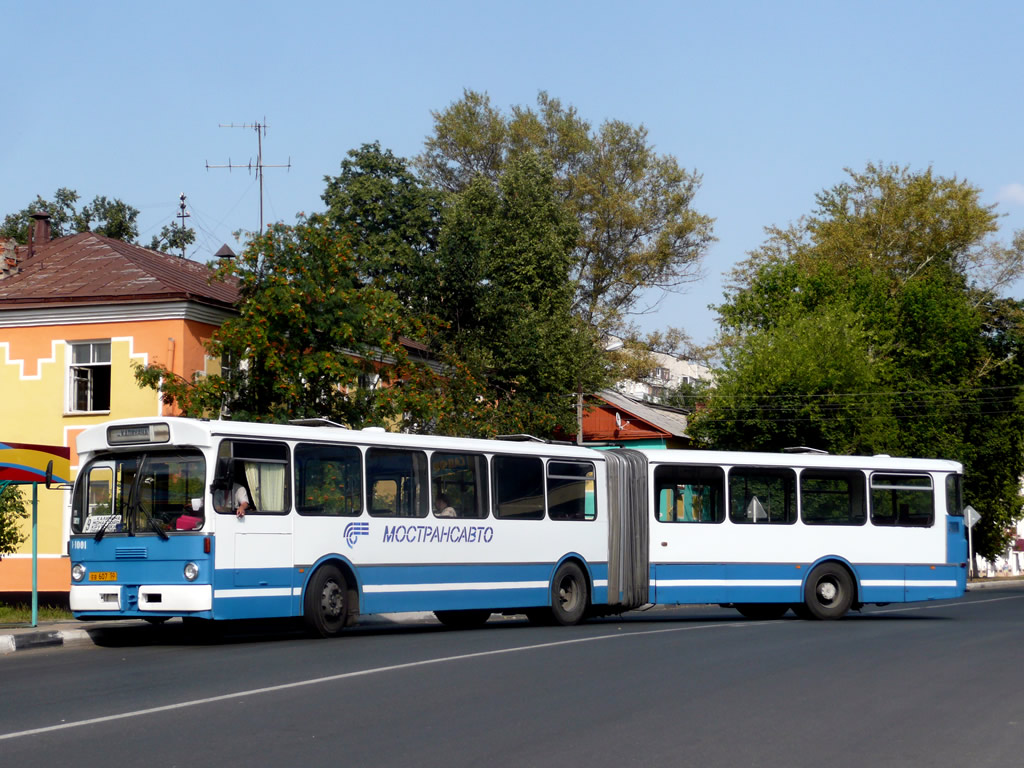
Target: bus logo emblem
{"type": "Point", "coordinates": [354, 530]}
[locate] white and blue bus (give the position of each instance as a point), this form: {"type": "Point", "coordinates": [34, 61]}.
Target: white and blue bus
{"type": "Point", "coordinates": [340, 522]}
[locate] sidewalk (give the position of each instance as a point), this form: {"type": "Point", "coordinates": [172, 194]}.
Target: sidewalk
{"type": "Point", "coordinates": [70, 634]}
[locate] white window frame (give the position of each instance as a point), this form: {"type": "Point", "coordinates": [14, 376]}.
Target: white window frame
{"type": "Point", "coordinates": [81, 374]}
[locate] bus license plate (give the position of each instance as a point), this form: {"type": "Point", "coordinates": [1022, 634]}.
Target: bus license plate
{"type": "Point", "coordinates": [103, 576]}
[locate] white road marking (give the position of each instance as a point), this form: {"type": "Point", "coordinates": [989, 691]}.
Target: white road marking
{"type": "Point", "coordinates": [348, 675]}
{"type": "Point", "coordinates": [441, 660]}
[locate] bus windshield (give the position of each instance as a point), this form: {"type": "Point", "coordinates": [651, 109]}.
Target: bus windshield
{"type": "Point", "coordinates": [138, 492]}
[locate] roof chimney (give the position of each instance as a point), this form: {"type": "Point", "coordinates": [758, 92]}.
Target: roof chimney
{"type": "Point", "coordinates": [225, 252]}
{"type": "Point", "coordinates": [42, 229]}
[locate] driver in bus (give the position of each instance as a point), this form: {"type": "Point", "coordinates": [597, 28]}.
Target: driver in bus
{"type": "Point", "coordinates": [240, 495]}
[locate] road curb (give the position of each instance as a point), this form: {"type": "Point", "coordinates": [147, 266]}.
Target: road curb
{"type": "Point", "coordinates": [28, 641]}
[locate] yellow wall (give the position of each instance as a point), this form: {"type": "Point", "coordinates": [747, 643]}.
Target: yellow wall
{"type": "Point", "coordinates": [33, 397]}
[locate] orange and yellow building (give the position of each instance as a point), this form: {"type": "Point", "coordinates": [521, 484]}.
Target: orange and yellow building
{"type": "Point", "coordinates": [76, 313]}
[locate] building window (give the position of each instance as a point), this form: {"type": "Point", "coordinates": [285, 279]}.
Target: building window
{"type": "Point", "coordinates": [90, 376]}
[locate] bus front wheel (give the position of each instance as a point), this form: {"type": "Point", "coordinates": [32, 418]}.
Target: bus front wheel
{"type": "Point", "coordinates": [568, 595]}
{"type": "Point", "coordinates": [828, 593]}
{"type": "Point", "coordinates": [325, 607]}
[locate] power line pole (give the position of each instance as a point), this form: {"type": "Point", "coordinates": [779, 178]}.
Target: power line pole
{"type": "Point", "coordinates": [259, 165]}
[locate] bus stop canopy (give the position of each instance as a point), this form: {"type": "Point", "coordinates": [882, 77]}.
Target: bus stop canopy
{"type": "Point", "coordinates": [29, 464]}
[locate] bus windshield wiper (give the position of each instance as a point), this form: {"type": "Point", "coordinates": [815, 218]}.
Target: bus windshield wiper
{"type": "Point", "coordinates": [103, 529]}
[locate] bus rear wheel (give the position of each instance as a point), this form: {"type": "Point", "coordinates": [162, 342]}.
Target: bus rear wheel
{"type": "Point", "coordinates": [468, 619]}
{"type": "Point", "coordinates": [325, 607]}
{"type": "Point", "coordinates": [762, 611]}
{"type": "Point", "coordinates": [828, 593]}
{"type": "Point", "coordinates": [568, 595]}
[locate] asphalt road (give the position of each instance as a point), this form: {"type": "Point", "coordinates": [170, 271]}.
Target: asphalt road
{"type": "Point", "coordinates": [938, 684]}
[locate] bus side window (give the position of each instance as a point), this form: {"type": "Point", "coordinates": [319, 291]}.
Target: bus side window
{"type": "Point", "coordinates": [259, 467]}
{"type": "Point", "coordinates": [461, 480]}
{"type": "Point", "coordinates": [832, 497]}
{"type": "Point", "coordinates": [762, 495]}
{"type": "Point", "coordinates": [518, 487]}
{"type": "Point", "coordinates": [902, 500]}
{"type": "Point", "coordinates": [328, 480]}
{"type": "Point", "coordinates": [571, 490]}
{"type": "Point", "coordinates": [396, 483]}
{"type": "Point", "coordinates": [689, 494]}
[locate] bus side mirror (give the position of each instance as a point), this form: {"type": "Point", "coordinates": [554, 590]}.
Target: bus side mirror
{"type": "Point", "coordinates": [50, 485]}
{"type": "Point", "coordinates": [223, 477]}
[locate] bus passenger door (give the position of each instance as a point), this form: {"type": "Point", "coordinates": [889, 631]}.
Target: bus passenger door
{"type": "Point", "coordinates": [254, 551]}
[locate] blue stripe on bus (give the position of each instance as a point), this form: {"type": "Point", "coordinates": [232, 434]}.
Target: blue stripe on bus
{"type": "Point", "coordinates": [679, 583]}
{"type": "Point", "coordinates": [400, 588]}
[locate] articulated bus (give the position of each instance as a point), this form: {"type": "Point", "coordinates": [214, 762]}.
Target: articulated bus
{"type": "Point", "coordinates": [337, 523]}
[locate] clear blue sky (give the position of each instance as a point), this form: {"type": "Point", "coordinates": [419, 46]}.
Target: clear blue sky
{"type": "Point", "coordinates": [768, 101]}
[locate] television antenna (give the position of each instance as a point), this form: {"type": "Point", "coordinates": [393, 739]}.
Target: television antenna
{"type": "Point", "coordinates": [251, 167]}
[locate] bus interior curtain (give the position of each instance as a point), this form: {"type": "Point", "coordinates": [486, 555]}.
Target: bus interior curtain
{"type": "Point", "coordinates": [628, 557]}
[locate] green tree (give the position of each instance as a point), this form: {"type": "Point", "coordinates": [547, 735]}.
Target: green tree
{"type": "Point", "coordinates": [391, 220]}
{"type": "Point", "coordinates": [62, 212]}
{"type": "Point", "coordinates": [172, 239]}
{"type": "Point", "coordinates": [12, 513]}
{"type": "Point", "coordinates": [108, 217]}
{"type": "Point", "coordinates": [638, 229]}
{"type": "Point", "coordinates": [310, 340]}
{"type": "Point", "coordinates": [504, 298]}
{"type": "Point", "coordinates": [873, 326]}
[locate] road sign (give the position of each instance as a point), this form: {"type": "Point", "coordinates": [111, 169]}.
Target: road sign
{"type": "Point", "coordinates": [972, 515]}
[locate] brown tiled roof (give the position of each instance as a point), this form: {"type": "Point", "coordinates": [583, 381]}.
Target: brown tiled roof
{"type": "Point", "coordinates": [90, 268]}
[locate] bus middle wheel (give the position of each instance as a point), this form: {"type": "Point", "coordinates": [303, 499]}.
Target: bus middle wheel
{"type": "Point", "coordinates": [828, 593]}
{"type": "Point", "coordinates": [325, 606]}
{"type": "Point", "coordinates": [568, 595]}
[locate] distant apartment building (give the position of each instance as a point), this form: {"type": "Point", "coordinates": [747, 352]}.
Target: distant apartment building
{"type": "Point", "coordinates": [670, 371]}
{"type": "Point", "coordinates": [76, 313]}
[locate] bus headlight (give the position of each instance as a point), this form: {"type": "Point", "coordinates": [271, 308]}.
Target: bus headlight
{"type": "Point", "coordinates": [77, 572]}
{"type": "Point", "coordinates": [191, 571]}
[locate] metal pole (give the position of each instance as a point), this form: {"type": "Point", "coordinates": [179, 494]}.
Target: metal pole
{"type": "Point", "coordinates": [35, 555]}
{"type": "Point", "coordinates": [970, 555]}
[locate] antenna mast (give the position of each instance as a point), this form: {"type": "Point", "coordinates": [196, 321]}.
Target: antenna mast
{"type": "Point", "coordinates": [183, 214]}
{"type": "Point", "coordinates": [259, 165]}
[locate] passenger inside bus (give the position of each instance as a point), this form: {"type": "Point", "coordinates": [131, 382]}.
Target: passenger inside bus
{"type": "Point", "coordinates": [443, 507]}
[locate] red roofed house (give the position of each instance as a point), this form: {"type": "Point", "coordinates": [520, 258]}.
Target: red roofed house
{"type": "Point", "coordinates": [613, 419]}
{"type": "Point", "coordinates": [75, 314]}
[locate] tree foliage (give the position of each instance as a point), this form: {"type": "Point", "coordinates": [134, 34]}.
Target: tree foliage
{"type": "Point", "coordinates": [311, 338]}
{"type": "Point", "coordinates": [390, 218]}
{"type": "Point", "coordinates": [637, 226]}
{"type": "Point", "coordinates": [487, 271]}
{"type": "Point", "coordinates": [869, 327]}
{"type": "Point", "coordinates": [12, 513]}
{"type": "Point", "coordinates": [504, 296]}
{"type": "Point", "coordinates": [172, 239]}
{"type": "Point", "coordinates": [104, 216]}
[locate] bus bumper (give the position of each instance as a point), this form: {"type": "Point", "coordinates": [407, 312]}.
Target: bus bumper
{"type": "Point", "coordinates": [145, 599]}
